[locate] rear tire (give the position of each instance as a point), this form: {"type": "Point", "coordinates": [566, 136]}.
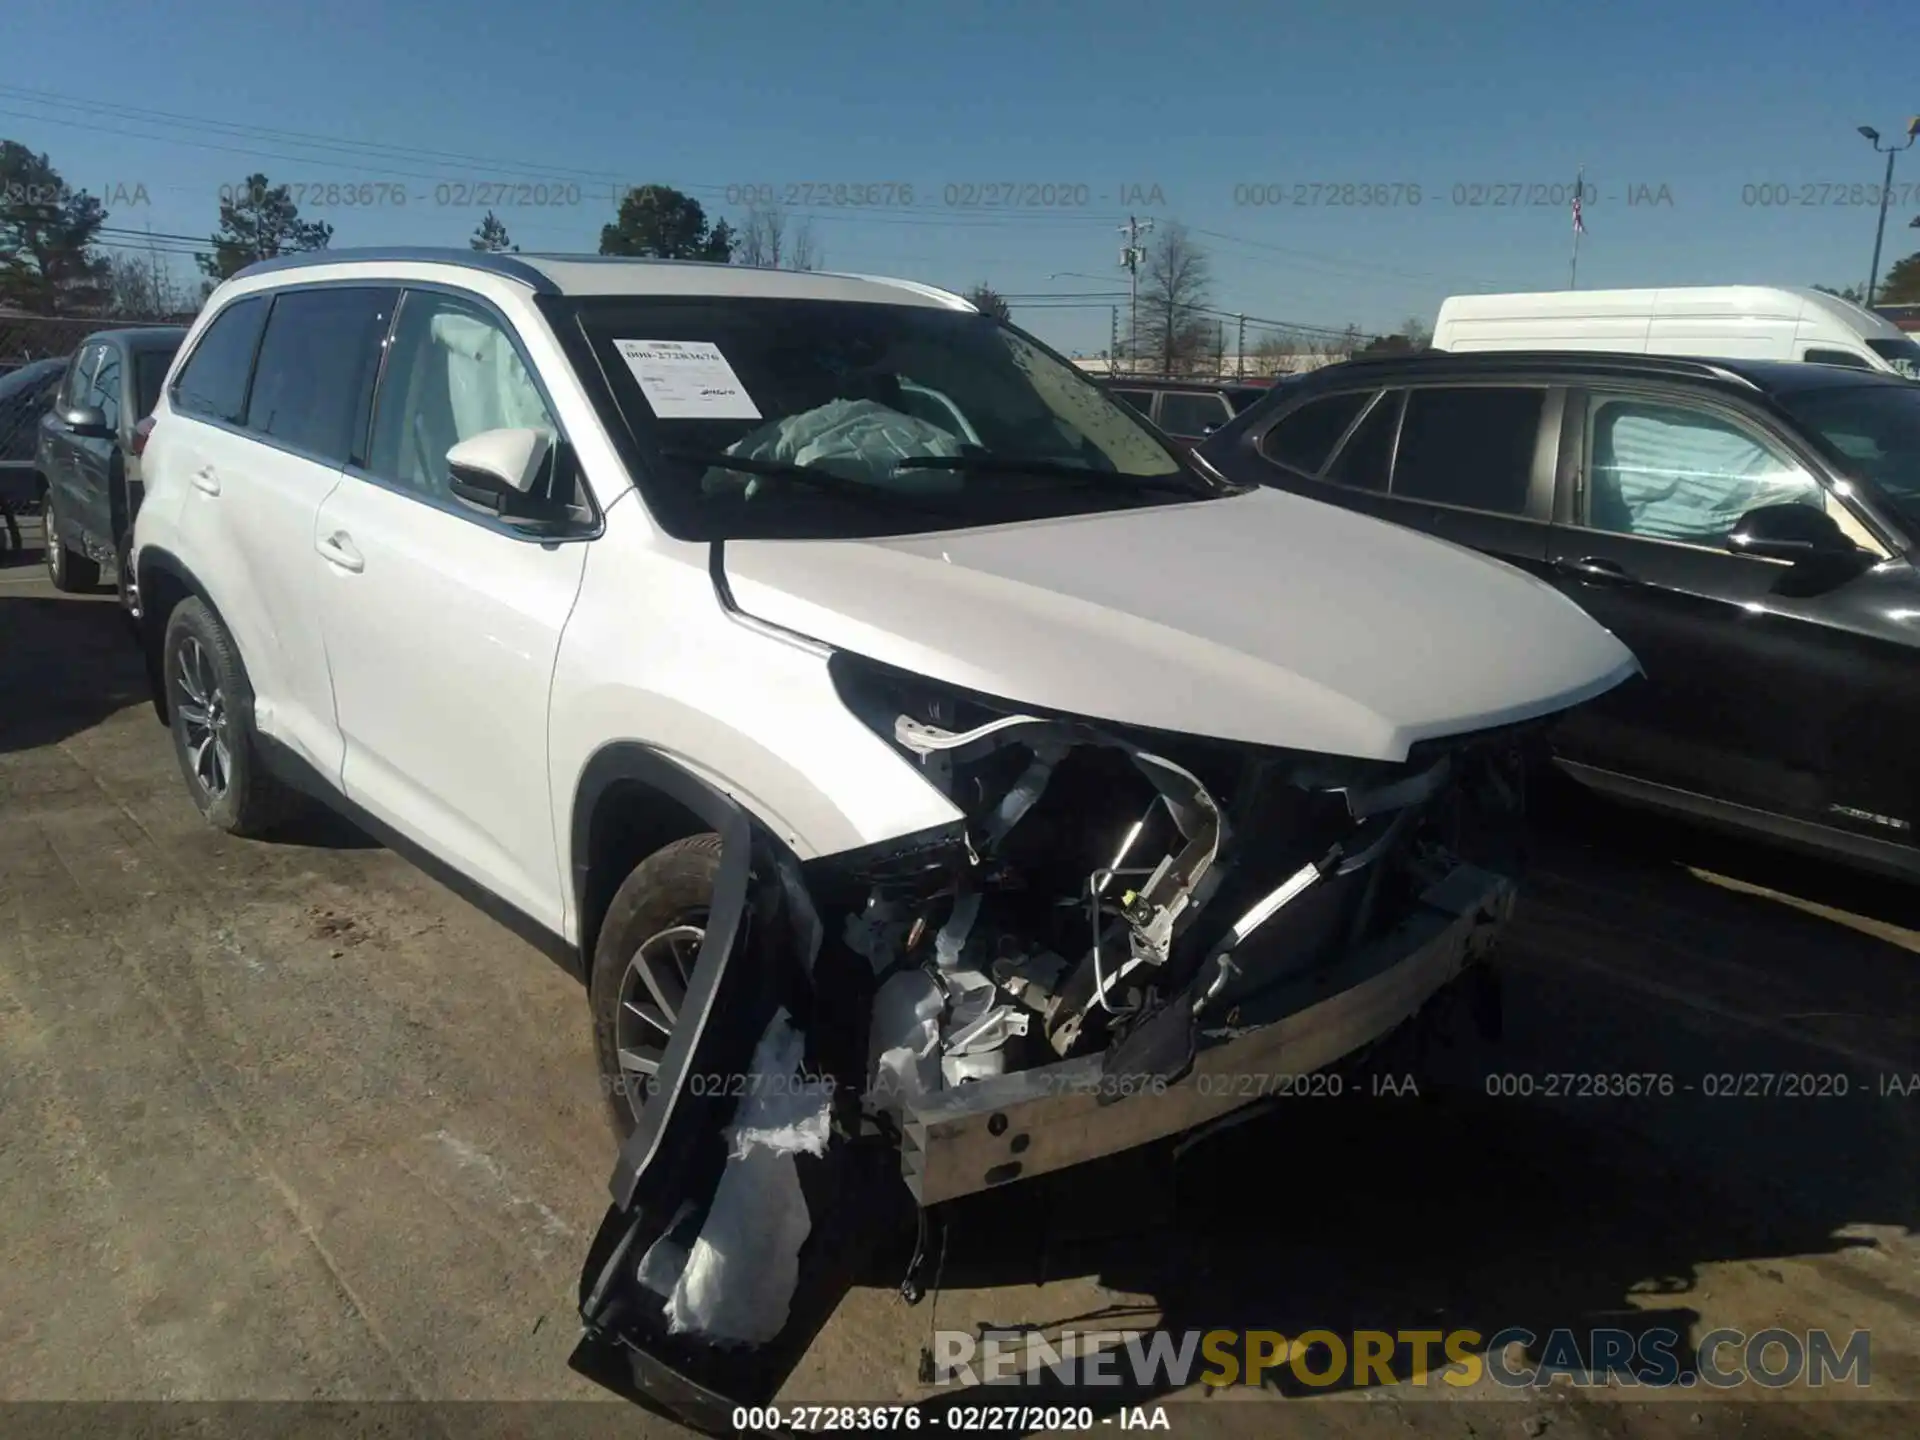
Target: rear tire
{"type": "Point", "coordinates": [651, 930]}
{"type": "Point", "coordinates": [71, 572]}
{"type": "Point", "coordinates": [210, 711]}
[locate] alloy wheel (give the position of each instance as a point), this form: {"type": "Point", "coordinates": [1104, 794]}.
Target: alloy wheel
{"type": "Point", "coordinates": [50, 540]}
{"type": "Point", "coordinates": [652, 990]}
{"type": "Point", "coordinates": [204, 718]}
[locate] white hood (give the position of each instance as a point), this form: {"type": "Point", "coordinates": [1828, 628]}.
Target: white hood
{"type": "Point", "coordinates": [1266, 618]}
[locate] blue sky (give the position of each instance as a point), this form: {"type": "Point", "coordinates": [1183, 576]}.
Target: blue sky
{"type": "Point", "coordinates": [1682, 105]}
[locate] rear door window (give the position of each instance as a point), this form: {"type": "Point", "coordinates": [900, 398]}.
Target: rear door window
{"type": "Point", "coordinates": [1188, 414]}
{"type": "Point", "coordinates": [1469, 446]}
{"type": "Point", "coordinates": [213, 384]}
{"type": "Point", "coordinates": [313, 386]}
{"type": "Point", "coordinates": [1304, 438]}
{"type": "Point", "coordinates": [1141, 400]}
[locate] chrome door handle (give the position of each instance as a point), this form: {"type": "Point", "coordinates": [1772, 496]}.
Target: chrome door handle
{"type": "Point", "coordinates": [1592, 570]}
{"type": "Point", "coordinates": [337, 549]}
{"type": "Point", "coordinates": [205, 479]}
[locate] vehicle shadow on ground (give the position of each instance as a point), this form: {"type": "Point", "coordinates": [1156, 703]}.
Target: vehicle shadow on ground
{"type": "Point", "coordinates": [66, 664]}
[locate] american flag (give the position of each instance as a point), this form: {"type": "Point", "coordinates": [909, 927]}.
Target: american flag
{"type": "Point", "coordinates": [1579, 225]}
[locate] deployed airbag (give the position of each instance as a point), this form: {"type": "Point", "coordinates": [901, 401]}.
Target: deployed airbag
{"type": "Point", "coordinates": [857, 439]}
{"type": "Point", "coordinates": [740, 1273]}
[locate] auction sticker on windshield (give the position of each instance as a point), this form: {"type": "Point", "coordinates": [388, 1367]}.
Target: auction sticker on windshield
{"type": "Point", "coordinates": [687, 380]}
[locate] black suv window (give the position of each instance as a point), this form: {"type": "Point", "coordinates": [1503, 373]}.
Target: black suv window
{"type": "Point", "coordinates": [1141, 400]}
{"type": "Point", "coordinates": [1469, 446]}
{"type": "Point", "coordinates": [1304, 438]}
{"type": "Point", "coordinates": [214, 382]}
{"type": "Point", "coordinates": [1363, 460]}
{"type": "Point", "coordinates": [79, 381]}
{"type": "Point", "coordinates": [105, 394]}
{"type": "Point", "coordinates": [149, 370]}
{"type": "Point", "coordinates": [313, 386]}
{"type": "Point", "coordinates": [1188, 414]}
{"type": "Point", "coordinates": [1836, 357]}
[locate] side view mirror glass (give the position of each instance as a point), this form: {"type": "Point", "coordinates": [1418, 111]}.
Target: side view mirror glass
{"type": "Point", "coordinates": [1789, 532]}
{"type": "Point", "coordinates": [86, 421]}
{"type": "Point", "coordinates": [495, 469]}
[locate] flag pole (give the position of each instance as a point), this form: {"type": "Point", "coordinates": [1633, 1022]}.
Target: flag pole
{"type": "Point", "coordinates": [1573, 270]}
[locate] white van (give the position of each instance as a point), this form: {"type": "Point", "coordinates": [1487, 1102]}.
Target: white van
{"type": "Point", "coordinates": [1737, 322]}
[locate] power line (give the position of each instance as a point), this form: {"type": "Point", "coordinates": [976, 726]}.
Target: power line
{"type": "Point", "coordinates": [366, 150]}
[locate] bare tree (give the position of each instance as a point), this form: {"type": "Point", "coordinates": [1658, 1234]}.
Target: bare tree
{"type": "Point", "coordinates": [1175, 286]}
{"type": "Point", "coordinates": [141, 286]}
{"type": "Point", "coordinates": [1419, 337]}
{"type": "Point", "coordinates": [1276, 353]}
{"type": "Point", "coordinates": [767, 242]}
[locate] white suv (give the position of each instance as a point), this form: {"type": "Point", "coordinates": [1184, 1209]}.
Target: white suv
{"type": "Point", "coordinates": [910, 751]}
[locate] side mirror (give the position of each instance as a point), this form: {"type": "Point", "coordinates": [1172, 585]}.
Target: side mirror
{"type": "Point", "coordinates": [1790, 532]}
{"type": "Point", "coordinates": [86, 421]}
{"type": "Point", "coordinates": [495, 469]}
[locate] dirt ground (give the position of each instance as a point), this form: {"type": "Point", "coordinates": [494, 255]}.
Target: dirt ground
{"type": "Point", "coordinates": [289, 1122]}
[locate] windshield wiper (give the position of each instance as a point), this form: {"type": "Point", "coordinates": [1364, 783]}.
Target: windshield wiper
{"type": "Point", "coordinates": [1180, 482]}
{"type": "Point", "coordinates": [821, 479]}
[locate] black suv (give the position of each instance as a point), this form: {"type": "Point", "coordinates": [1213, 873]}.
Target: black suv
{"type": "Point", "coordinates": [1746, 528]}
{"type": "Point", "coordinates": [1188, 410]}
{"type": "Point", "coordinates": [87, 462]}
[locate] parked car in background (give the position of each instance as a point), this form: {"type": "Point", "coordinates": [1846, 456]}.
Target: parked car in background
{"type": "Point", "coordinates": [26, 390]}
{"type": "Point", "coordinates": [87, 458]}
{"type": "Point", "coordinates": [1188, 410]}
{"type": "Point", "coordinates": [26, 393]}
{"type": "Point", "coordinates": [1737, 322]}
{"type": "Point", "coordinates": [887, 726]}
{"type": "Point", "coordinates": [1747, 528]}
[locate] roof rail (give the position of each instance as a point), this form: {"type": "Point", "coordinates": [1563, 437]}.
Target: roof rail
{"type": "Point", "coordinates": [1624, 360]}
{"type": "Point", "coordinates": [510, 267]}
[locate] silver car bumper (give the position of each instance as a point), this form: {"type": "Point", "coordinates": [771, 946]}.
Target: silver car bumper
{"type": "Point", "coordinates": [1011, 1127]}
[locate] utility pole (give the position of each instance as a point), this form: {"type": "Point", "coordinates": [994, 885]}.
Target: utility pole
{"type": "Point", "coordinates": [1130, 259]}
{"type": "Point", "coordinates": [1886, 188]}
{"type": "Point", "coordinates": [1240, 350]}
{"type": "Point", "coordinates": [1113, 342]}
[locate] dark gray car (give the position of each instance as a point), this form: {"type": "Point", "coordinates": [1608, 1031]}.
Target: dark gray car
{"type": "Point", "coordinates": [87, 462]}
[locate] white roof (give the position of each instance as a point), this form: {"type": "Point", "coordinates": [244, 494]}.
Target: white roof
{"type": "Point", "coordinates": [623, 275]}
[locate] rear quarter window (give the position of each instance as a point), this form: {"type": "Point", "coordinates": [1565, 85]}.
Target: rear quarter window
{"type": "Point", "coordinates": [1304, 437]}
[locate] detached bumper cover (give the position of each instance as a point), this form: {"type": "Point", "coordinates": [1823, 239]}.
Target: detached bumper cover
{"type": "Point", "coordinates": [995, 1130]}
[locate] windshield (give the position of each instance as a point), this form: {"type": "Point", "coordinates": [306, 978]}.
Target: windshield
{"type": "Point", "coordinates": [1903, 355]}
{"type": "Point", "coordinates": [854, 419]}
{"type": "Point", "coordinates": [1874, 430]}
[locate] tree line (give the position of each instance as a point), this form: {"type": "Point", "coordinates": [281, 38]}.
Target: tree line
{"type": "Point", "coordinates": [55, 259]}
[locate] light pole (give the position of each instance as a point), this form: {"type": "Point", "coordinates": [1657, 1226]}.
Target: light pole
{"type": "Point", "coordinates": [1886, 190]}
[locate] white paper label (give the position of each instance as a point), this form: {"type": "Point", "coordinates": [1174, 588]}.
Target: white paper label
{"type": "Point", "coordinates": [687, 380]}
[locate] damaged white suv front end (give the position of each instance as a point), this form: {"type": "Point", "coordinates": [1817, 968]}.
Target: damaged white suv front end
{"type": "Point", "coordinates": [1128, 931]}
{"type": "Point", "coordinates": [1066, 797]}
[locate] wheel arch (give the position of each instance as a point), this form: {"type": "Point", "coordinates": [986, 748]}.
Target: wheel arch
{"type": "Point", "coordinates": [165, 581]}
{"type": "Point", "coordinates": [629, 802]}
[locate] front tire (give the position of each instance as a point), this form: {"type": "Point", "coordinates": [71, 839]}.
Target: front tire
{"type": "Point", "coordinates": [210, 710]}
{"type": "Point", "coordinates": [642, 964]}
{"type": "Point", "coordinates": [71, 572]}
